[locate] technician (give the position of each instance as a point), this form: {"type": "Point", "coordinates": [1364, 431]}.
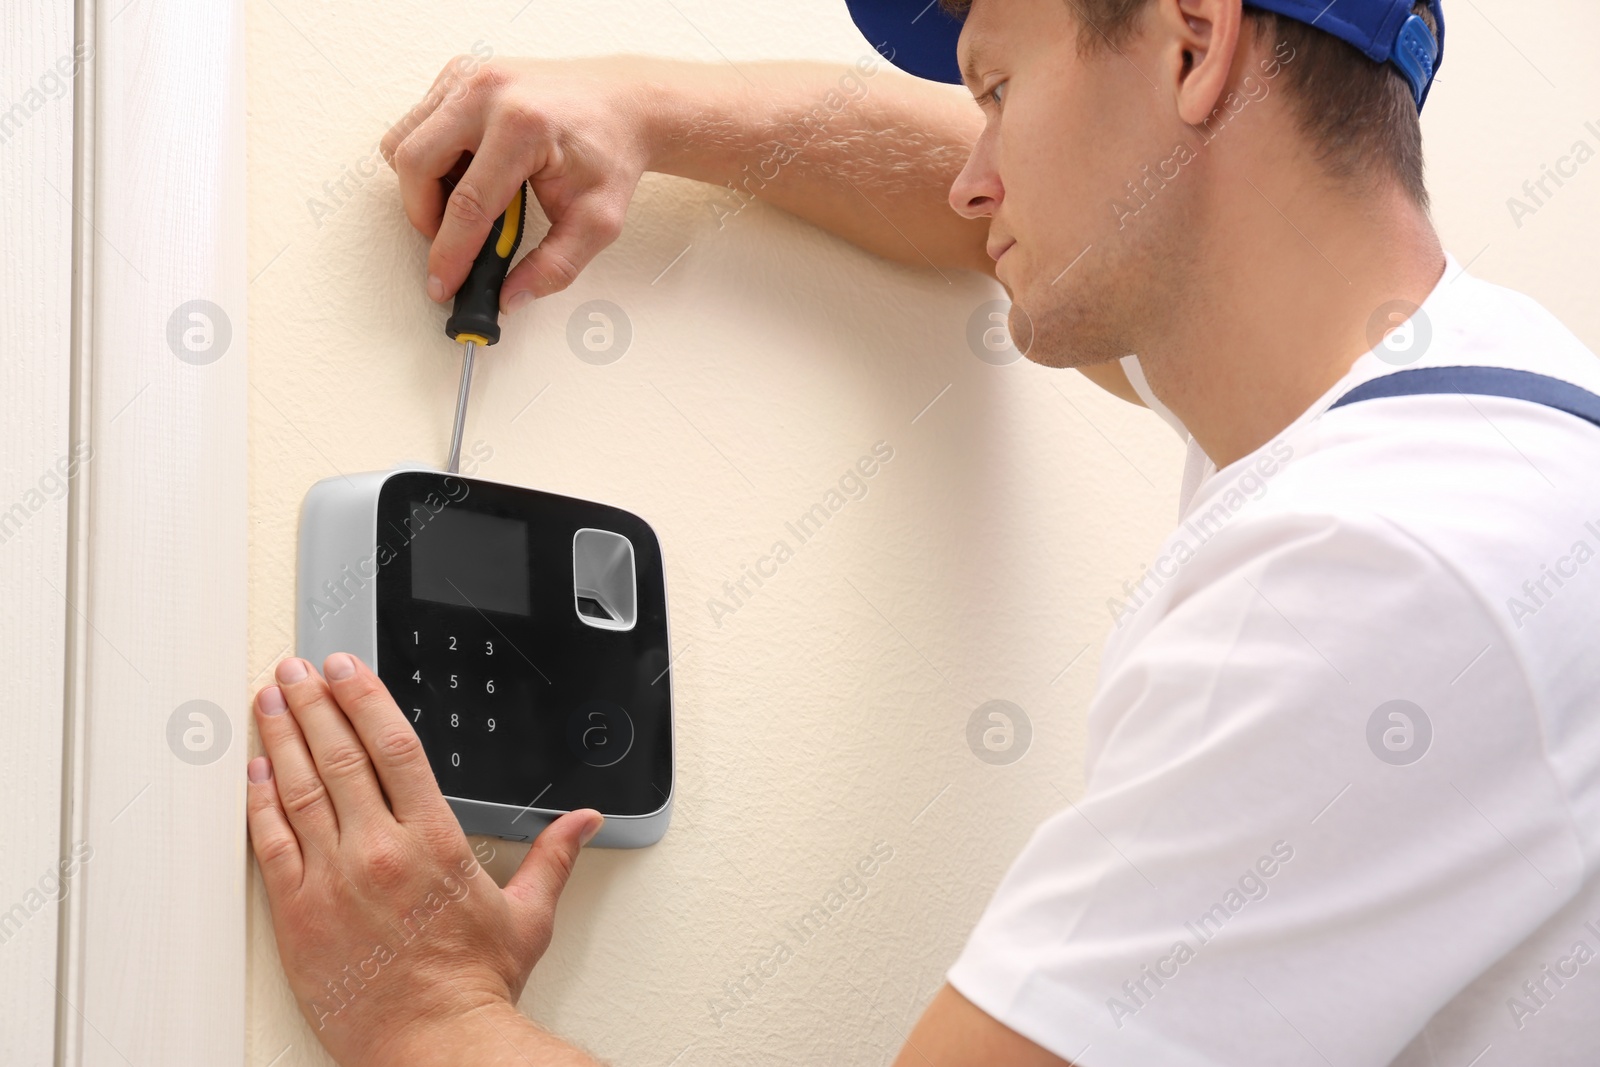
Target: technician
{"type": "Point", "coordinates": [1343, 770]}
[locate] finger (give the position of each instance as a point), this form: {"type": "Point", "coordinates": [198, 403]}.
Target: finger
{"type": "Point", "coordinates": [538, 883]}
{"type": "Point", "coordinates": [426, 158]}
{"type": "Point", "coordinates": [452, 82]}
{"type": "Point", "coordinates": [398, 134]}
{"type": "Point", "coordinates": [577, 234]}
{"type": "Point", "coordinates": [490, 183]}
{"type": "Point", "coordinates": [301, 793]}
{"type": "Point", "coordinates": [391, 742]}
{"type": "Point", "coordinates": [277, 849]}
{"type": "Point", "coordinates": [341, 758]}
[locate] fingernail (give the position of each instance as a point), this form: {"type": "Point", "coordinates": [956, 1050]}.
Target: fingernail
{"type": "Point", "coordinates": [291, 671]}
{"type": "Point", "coordinates": [259, 770]}
{"type": "Point", "coordinates": [435, 288]}
{"type": "Point", "coordinates": [271, 701]}
{"type": "Point", "coordinates": [592, 829]}
{"type": "Point", "coordinates": [518, 299]}
{"type": "Point", "coordinates": [338, 667]}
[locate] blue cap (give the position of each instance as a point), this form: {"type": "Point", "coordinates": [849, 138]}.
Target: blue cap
{"type": "Point", "coordinates": [919, 37]}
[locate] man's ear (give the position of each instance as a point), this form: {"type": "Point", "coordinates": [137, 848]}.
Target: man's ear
{"type": "Point", "coordinates": [1203, 37]}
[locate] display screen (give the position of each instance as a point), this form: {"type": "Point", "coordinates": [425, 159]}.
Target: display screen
{"type": "Point", "coordinates": [471, 560]}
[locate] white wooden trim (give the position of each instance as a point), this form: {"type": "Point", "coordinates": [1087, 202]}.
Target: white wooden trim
{"type": "Point", "coordinates": [36, 122]}
{"type": "Point", "coordinates": [152, 965]}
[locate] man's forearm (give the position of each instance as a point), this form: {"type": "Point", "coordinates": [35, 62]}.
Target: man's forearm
{"type": "Point", "coordinates": [856, 148]}
{"type": "Point", "coordinates": [492, 1036]}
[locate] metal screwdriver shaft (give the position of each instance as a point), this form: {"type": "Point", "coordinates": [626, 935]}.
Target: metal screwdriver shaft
{"type": "Point", "coordinates": [476, 318]}
{"type": "Point", "coordinates": [454, 466]}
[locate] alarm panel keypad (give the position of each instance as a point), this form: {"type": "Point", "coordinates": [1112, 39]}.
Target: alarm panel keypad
{"type": "Point", "coordinates": [459, 684]}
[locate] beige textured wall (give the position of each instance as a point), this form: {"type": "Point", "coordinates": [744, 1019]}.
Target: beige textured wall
{"type": "Point", "coordinates": [829, 713]}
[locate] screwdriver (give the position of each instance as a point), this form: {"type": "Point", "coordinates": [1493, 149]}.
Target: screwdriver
{"type": "Point", "coordinates": [476, 318]}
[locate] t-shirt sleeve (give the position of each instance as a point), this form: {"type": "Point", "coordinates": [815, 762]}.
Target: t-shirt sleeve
{"type": "Point", "coordinates": [1312, 815]}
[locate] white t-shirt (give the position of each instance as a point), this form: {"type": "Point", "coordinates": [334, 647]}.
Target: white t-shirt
{"type": "Point", "coordinates": [1343, 770]}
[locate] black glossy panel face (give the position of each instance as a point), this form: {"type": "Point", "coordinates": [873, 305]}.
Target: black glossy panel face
{"type": "Point", "coordinates": [516, 699]}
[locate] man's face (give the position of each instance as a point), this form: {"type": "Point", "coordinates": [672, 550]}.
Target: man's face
{"type": "Point", "coordinates": [1065, 137]}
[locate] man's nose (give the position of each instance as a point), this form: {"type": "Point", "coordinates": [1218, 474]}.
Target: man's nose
{"type": "Point", "coordinates": [977, 191]}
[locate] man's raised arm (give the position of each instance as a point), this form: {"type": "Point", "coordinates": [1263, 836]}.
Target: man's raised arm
{"type": "Point", "coordinates": [856, 148]}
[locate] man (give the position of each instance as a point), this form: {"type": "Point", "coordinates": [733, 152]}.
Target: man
{"type": "Point", "coordinates": [1343, 792]}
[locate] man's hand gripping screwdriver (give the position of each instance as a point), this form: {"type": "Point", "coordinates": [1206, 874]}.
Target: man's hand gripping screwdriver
{"type": "Point", "coordinates": [476, 318]}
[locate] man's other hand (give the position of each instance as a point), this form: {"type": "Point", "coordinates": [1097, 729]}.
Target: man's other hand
{"type": "Point", "coordinates": [389, 930]}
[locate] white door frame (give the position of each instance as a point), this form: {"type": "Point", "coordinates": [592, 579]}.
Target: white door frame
{"type": "Point", "coordinates": [124, 338]}
{"type": "Point", "coordinates": [36, 226]}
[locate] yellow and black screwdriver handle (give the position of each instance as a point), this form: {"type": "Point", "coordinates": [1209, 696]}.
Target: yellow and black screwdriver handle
{"type": "Point", "coordinates": [477, 310]}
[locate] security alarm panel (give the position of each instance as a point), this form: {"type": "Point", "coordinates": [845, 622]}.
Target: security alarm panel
{"type": "Point", "coordinates": [523, 633]}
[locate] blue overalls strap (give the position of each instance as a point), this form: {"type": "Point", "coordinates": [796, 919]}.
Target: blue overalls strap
{"type": "Point", "coordinates": [1481, 381]}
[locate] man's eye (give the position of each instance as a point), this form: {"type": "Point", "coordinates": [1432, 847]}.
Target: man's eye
{"type": "Point", "coordinates": [998, 92]}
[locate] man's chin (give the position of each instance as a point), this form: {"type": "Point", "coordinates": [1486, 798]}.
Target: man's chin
{"type": "Point", "coordinates": [1062, 345]}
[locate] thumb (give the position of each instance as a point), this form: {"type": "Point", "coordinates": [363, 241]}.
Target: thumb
{"type": "Point", "coordinates": [538, 883]}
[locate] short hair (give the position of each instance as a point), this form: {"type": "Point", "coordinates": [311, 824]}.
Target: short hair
{"type": "Point", "coordinates": [1359, 114]}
